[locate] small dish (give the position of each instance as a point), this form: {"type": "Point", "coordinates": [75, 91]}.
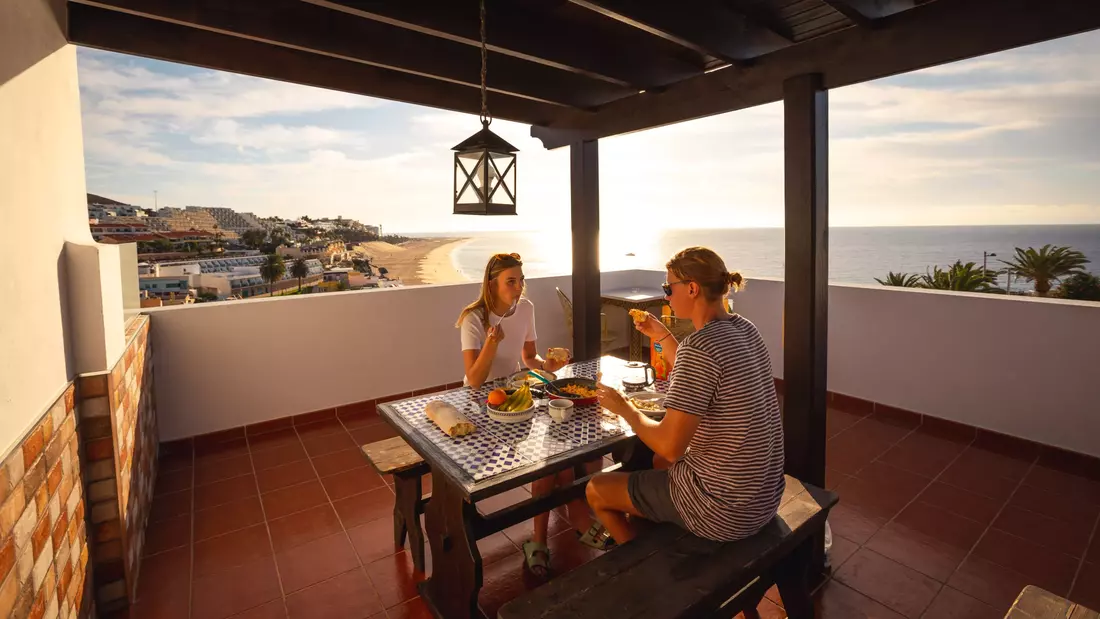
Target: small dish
{"type": "Point", "coordinates": [560, 410]}
{"type": "Point", "coordinates": [650, 403]}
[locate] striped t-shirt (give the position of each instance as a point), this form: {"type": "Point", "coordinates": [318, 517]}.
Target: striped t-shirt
{"type": "Point", "coordinates": [729, 483]}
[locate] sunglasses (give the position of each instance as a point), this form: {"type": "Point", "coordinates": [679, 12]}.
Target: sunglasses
{"type": "Point", "coordinates": [667, 287]}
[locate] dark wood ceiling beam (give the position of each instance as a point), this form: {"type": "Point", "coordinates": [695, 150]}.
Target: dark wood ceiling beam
{"type": "Point", "coordinates": [130, 34]}
{"type": "Point", "coordinates": [703, 26]}
{"type": "Point", "coordinates": [865, 13]}
{"type": "Point", "coordinates": [538, 38]}
{"type": "Point", "coordinates": [298, 25]}
{"type": "Point", "coordinates": [931, 34]}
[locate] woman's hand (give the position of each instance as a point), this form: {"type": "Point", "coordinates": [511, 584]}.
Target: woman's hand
{"type": "Point", "coordinates": [612, 400]}
{"type": "Point", "coordinates": [495, 334]}
{"type": "Point", "coordinates": [554, 364]}
{"type": "Point", "coordinates": [651, 327]}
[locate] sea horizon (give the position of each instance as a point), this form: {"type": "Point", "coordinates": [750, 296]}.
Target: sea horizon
{"type": "Point", "coordinates": [858, 254]}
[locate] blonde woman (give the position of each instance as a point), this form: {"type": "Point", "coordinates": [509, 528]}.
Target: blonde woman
{"type": "Point", "coordinates": [498, 332]}
{"type": "Point", "coordinates": [722, 434]}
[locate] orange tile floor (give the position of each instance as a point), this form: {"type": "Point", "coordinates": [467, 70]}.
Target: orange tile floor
{"type": "Point", "coordinates": [295, 523]}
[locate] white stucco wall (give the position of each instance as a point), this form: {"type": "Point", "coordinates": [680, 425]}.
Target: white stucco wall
{"type": "Point", "coordinates": [1021, 366]}
{"type": "Point", "coordinates": [223, 365]}
{"type": "Point", "coordinates": [42, 195]}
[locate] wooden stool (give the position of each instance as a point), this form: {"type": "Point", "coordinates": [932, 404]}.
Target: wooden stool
{"type": "Point", "coordinates": [393, 456]}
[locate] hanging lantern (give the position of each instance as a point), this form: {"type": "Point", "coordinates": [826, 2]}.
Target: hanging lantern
{"type": "Point", "coordinates": [485, 164]}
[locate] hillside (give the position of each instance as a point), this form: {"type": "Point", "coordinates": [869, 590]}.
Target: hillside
{"type": "Point", "coordinates": [94, 199]}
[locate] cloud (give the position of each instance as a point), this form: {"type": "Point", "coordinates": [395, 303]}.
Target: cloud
{"type": "Point", "coordinates": [1013, 137]}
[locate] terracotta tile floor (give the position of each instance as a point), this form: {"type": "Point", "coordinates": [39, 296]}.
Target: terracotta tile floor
{"type": "Point", "coordinates": [294, 523]}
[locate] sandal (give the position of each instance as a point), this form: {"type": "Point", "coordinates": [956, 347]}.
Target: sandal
{"type": "Point", "coordinates": [538, 558]}
{"type": "Point", "coordinates": [596, 537]}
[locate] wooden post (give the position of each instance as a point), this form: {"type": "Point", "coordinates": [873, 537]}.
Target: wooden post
{"type": "Point", "coordinates": [806, 285]}
{"type": "Point", "coordinates": [584, 181]}
{"type": "Point", "coordinates": [806, 297]}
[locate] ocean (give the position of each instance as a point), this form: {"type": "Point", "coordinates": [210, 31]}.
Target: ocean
{"type": "Point", "coordinates": [856, 255]}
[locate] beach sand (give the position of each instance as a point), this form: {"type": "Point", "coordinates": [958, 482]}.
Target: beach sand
{"type": "Point", "coordinates": [420, 261]}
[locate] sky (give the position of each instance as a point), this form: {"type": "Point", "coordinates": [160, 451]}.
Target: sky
{"type": "Point", "coordinates": [1011, 138]}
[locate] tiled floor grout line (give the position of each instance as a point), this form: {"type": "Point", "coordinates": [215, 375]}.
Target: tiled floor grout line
{"type": "Point", "coordinates": [343, 527]}
{"type": "Point", "coordinates": [267, 526]}
{"type": "Point", "coordinates": [191, 549]}
{"type": "Point", "coordinates": [1085, 554]}
{"type": "Point", "coordinates": [911, 501]}
{"type": "Point", "coordinates": [988, 527]}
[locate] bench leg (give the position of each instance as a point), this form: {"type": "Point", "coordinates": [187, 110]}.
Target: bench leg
{"type": "Point", "coordinates": [406, 518]}
{"type": "Point", "coordinates": [792, 578]}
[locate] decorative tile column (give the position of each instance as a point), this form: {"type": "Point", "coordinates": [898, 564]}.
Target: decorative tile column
{"type": "Point", "coordinates": [119, 431]}
{"type": "Point", "coordinates": [43, 539]}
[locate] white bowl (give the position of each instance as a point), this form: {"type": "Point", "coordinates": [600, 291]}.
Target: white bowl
{"type": "Point", "coordinates": [560, 410]}
{"type": "Point", "coordinates": [511, 416]}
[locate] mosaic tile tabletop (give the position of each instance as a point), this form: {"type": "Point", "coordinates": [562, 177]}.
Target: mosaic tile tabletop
{"type": "Point", "coordinates": [497, 447]}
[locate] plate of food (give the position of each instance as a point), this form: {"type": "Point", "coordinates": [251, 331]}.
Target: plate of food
{"type": "Point", "coordinates": [510, 405]}
{"type": "Point", "coordinates": [650, 403]}
{"type": "Point", "coordinates": [519, 379]}
{"type": "Point", "coordinates": [581, 391]}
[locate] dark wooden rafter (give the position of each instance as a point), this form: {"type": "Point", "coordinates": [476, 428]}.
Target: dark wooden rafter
{"type": "Point", "coordinates": [705, 26]}
{"type": "Point", "coordinates": [534, 37]}
{"type": "Point", "coordinates": [962, 29]}
{"type": "Point", "coordinates": [302, 26]}
{"type": "Point", "coordinates": [131, 34]}
{"type": "Point", "coordinates": [866, 13]}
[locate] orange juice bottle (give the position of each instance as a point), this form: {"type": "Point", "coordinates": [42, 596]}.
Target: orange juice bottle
{"type": "Point", "coordinates": [656, 354]}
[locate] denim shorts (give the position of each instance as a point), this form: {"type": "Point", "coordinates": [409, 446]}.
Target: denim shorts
{"type": "Point", "coordinates": [651, 495]}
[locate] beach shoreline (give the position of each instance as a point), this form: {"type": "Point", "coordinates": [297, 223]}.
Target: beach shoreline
{"type": "Point", "coordinates": [418, 261]}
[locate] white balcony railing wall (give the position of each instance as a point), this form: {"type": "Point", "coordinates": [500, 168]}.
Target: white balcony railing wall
{"type": "Point", "coordinates": [1025, 367]}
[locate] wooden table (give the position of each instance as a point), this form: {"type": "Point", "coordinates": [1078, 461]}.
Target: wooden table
{"type": "Point", "coordinates": [494, 459]}
{"type": "Point", "coordinates": [643, 298]}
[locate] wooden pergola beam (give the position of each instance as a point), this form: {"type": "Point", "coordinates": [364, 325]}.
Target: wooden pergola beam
{"type": "Point", "coordinates": [302, 26]}
{"type": "Point", "coordinates": [931, 34]}
{"type": "Point", "coordinates": [865, 12]}
{"type": "Point", "coordinates": [535, 38]}
{"type": "Point", "coordinates": [703, 26]}
{"type": "Point", "coordinates": [115, 31]}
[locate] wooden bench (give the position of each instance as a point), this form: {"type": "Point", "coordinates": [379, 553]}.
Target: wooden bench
{"type": "Point", "coordinates": [666, 572]}
{"type": "Point", "coordinates": [1036, 603]}
{"type": "Point", "coordinates": [393, 456]}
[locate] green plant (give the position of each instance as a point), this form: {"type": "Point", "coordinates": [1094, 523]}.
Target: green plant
{"type": "Point", "coordinates": [1079, 286]}
{"type": "Point", "coordinates": [1045, 266]}
{"type": "Point", "coordinates": [272, 270]}
{"type": "Point", "coordinates": [967, 277]}
{"type": "Point", "coordinates": [300, 270]}
{"type": "Point", "coordinates": [903, 280]}
{"type": "Point", "coordinates": [253, 239]}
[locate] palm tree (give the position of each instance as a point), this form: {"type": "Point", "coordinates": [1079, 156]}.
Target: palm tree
{"type": "Point", "coordinates": [273, 270]}
{"type": "Point", "coordinates": [903, 280]}
{"type": "Point", "coordinates": [300, 270]}
{"type": "Point", "coordinates": [1049, 264]}
{"type": "Point", "coordinates": [960, 277]}
{"type": "Point", "coordinates": [254, 238]}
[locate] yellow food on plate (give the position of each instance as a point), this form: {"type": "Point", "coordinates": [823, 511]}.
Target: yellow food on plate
{"type": "Point", "coordinates": [647, 405]}
{"type": "Point", "coordinates": [639, 316]}
{"type": "Point", "coordinates": [580, 392]}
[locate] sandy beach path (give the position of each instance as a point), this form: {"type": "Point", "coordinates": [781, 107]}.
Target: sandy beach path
{"type": "Point", "coordinates": [419, 261]}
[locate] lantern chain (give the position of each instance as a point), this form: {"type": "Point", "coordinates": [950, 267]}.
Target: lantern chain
{"type": "Point", "coordinates": [486, 119]}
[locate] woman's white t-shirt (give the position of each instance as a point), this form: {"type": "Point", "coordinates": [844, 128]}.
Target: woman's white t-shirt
{"type": "Point", "coordinates": [518, 329]}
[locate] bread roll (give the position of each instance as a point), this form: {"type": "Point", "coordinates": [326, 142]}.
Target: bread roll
{"type": "Point", "coordinates": [558, 354]}
{"type": "Point", "coordinates": [448, 418]}
{"type": "Point", "coordinates": [639, 316]}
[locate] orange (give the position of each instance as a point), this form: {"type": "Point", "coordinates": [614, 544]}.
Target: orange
{"type": "Point", "coordinates": [497, 397]}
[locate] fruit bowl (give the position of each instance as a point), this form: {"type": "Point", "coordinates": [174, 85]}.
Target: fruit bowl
{"type": "Point", "coordinates": [497, 413]}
